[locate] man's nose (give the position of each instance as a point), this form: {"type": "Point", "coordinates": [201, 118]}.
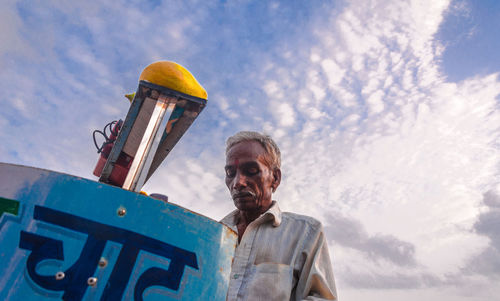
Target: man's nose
{"type": "Point", "coordinates": [239, 180]}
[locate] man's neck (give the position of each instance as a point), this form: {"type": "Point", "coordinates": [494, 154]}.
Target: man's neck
{"type": "Point", "coordinates": [246, 217]}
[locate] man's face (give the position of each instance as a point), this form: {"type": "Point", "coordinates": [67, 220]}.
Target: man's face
{"type": "Point", "coordinates": [249, 178]}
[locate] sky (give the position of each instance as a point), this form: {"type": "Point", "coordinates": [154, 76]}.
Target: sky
{"type": "Point", "coordinates": [387, 113]}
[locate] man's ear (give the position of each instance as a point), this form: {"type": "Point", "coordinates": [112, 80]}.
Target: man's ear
{"type": "Point", "coordinates": [276, 178]}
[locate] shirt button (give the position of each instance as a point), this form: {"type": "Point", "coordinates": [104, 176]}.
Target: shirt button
{"type": "Point", "coordinates": [236, 276]}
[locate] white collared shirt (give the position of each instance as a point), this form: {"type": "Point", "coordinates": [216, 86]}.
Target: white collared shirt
{"type": "Point", "coordinates": [281, 256]}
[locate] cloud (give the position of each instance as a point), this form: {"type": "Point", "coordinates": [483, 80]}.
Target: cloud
{"type": "Point", "coordinates": [392, 281]}
{"type": "Point", "coordinates": [10, 31]}
{"type": "Point", "coordinates": [487, 262]}
{"type": "Point", "coordinates": [492, 200]}
{"type": "Point", "coordinates": [350, 233]}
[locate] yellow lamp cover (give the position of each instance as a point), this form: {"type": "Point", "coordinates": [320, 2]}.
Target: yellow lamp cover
{"type": "Point", "coordinates": [173, 76]}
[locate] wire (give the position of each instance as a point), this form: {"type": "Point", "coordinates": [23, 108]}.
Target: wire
{"type": "Point", "coordinates": [104, 133]}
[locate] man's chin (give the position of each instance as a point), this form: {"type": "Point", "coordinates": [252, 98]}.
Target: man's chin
{"type": "Point", "coordinates": [244, 203]}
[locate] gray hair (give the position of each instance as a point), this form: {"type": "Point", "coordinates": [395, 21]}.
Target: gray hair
{"type": "Point", "coordinates": [266, 141]}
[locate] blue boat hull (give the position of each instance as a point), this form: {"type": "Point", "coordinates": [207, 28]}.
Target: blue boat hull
{"type": "Point", "coordinates": [69, 238]}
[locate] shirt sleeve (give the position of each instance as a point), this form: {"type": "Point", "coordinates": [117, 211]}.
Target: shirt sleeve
{"type": "Point", "coordinates": [316, 281]}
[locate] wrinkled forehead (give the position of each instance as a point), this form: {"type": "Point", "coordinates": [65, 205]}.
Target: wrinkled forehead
{"type": "Point", "coordinates": [247, 151]}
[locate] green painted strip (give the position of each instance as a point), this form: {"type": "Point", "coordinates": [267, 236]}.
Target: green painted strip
{"type": "Point", "coordinates": [9, 206]}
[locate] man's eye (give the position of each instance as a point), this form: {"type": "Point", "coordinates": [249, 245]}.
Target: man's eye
{"type": "Point", "coordinates": [253, 171]}
{"type": "Point", "coordinates": [229, 173]}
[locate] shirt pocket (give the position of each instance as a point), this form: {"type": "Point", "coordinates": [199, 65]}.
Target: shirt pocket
{"type": "Point", "coordinates": [270, 281]}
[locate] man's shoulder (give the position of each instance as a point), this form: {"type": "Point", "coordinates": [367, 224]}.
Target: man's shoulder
{"type": "Point", "coordinates": [304, 220]}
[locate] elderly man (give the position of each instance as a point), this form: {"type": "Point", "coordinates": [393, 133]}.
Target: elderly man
{"type": "Point", "coordinates": [280, 255]}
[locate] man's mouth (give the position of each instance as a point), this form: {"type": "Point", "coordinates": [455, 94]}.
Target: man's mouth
{"type": "Point", "coordinates": [243, 194]}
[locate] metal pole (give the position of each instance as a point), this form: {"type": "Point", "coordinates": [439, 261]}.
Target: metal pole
{"type": "Point", "coordinates": [141, 164]}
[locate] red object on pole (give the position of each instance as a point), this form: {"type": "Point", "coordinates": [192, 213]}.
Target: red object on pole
{"type": "Point", "coordinates": [122, 165]}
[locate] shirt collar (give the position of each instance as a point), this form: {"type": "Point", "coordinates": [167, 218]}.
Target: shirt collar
{"type": "Point", "coordinates": [272, 214]}
{"type": "Point", "coordinates": [275, 212]}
